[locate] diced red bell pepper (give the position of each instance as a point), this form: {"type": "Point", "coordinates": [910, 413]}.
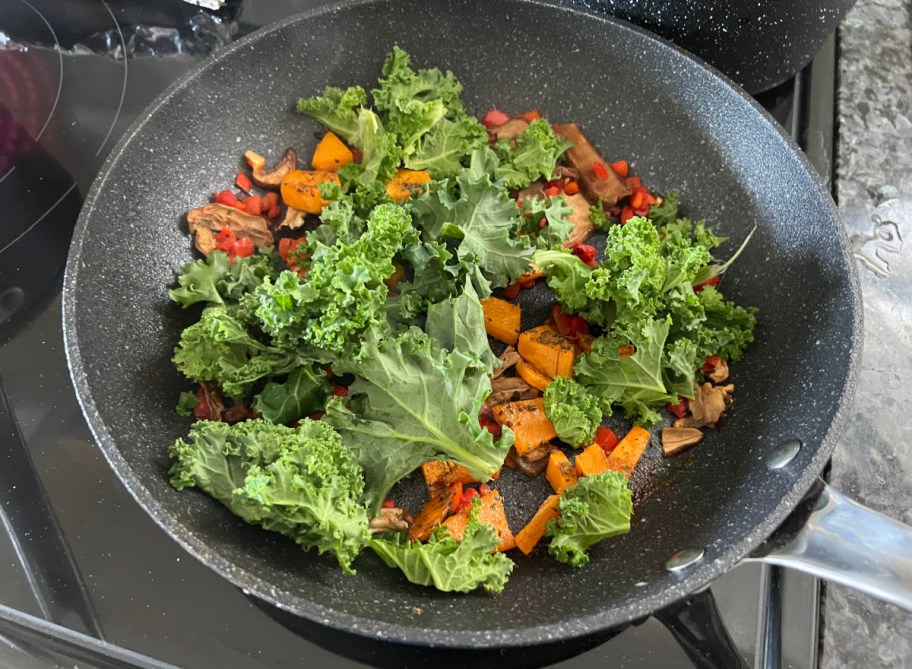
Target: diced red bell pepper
{"type": "Point", "coordinates": [551, 191]}
{"type": "Point", "coordinates": [621, 168]}
{"type": "Point", "coordinates": [511, 291]}
{"type": "Point", "coordinates": [253, 205]}
{"type": "Point", "coordinates": [494, 118]}
{"type": "Point", "coordinates": [243, 182]}
{"type": "Point", "coordinates": [271, 199]}
{"type": "Point", "coordinates": [316, 415]}
{"type": "Point", "coordinates": [571, 188]}
{"type": "Point", "coordinates": [634, 182]}
{"type": "Point", "coordinates": [467, 496]}
{"type": "Point", "coordinates": [273, 211]}
{"type": "Point", "coordinates": [388, 503]}
{"type": "Point", "coordinates": [484, 489]}
{"type": "Point", "coordinates": [605, 438]}
{"type": "Point", "coordinates": [227, 198]}
{"type": "Point", "coordinates": [714, 281]}
{"type": "Point", "coordinates": [491, 425]}
{"type": "Point", "coordinates": [626, 214]}
{"type": "Point", "coordinates": [288, 244]}
{"type": "Point", "coordinates": [586, 253]}
{"type": "Point", "coordinates": [243, 247]}
{"type": "Point", "coordinates": [638, 198]}
{"type": "Point", "coordinates": [678, 410]}
{"type": "Point", "coordinates": [340, 391]}
{"type": "Point", "coordinates": [712, 361]}
{"type": "Point", "coordinates": [225, 239]}
{"type": "Point", "coordinates": [531, 115]}
{"type": "Point", "coordinates": [600, 170]}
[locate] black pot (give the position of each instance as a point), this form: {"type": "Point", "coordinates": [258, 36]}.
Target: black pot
{"type": "Point", "coordinates": [757, 43]}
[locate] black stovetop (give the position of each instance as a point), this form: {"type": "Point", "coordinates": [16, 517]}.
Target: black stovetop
{"type": "Point", "coordinates": [79, 559]}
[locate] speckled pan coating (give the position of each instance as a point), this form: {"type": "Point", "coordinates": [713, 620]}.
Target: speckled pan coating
{"type": "Point", "coordinates": [681, 126]}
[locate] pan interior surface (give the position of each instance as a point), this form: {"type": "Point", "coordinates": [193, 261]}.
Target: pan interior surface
{"type": "Point", "coordinates": [682, 128]}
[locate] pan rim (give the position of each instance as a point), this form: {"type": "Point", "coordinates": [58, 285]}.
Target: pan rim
{"type": "Point", "coordinates": [251, 583]}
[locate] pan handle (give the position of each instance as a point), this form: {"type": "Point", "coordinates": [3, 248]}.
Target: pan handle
{"type": "Point", "coordinates": [844, 542]}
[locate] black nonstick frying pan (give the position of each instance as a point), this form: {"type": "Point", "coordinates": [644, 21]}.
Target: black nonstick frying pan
{"type": "Point", "coordinates": [681, 126]}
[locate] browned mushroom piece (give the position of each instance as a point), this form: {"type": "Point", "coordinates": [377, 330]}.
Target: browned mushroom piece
{"type": "Point", "coordinates": [707, 406]}
{"type": "Point", "coordinates": [213, 217]}
{"type": "Point", "coordinates": [509, 389]}
{"type": "Point", "coordinates": [391, 520]}
{"type": "Point", "coordinates": [508, 358]}
{"type": "Point", "coordinates": [676, 439]}
{"type": "Point", "coordinates": [271, 179]}
{"type": "Point", "coordinates": [533, 463]}
{"type": "Point", "coordinates": [719, 372]}
{"type": "Point", "coordinates": [582, 222]}
{"type": "Point", "coordinates": [533, 190]}
{"type": "Point", "coordinates": [582, 157]}
{"type": "Point", "coordinates": [509, 130]}
{"type": "Point", "coordinates": [568, 172]}
{"type": "Point", "coordinates": [294, 219]}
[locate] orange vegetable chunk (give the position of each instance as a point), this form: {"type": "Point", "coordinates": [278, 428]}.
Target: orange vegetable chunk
{"type": "Point", "coordinates": [491, 513]}
{"type": "Point", "coordinates": [405, 183]}
{"type": "Point", "coordinates": [434, 512]}
{"type": "Point", "coordinates": [501, 319]}
{"type": "Point", "coordinates": [561, 473]}
{"type": "Point", "coordinates": [331, 154]}
{"type": "Point", "coordinates": [545, 348]}
{"type": "Point", "coordinates": [531, 534]}
{"type": "Point", "coordinates": [532, 375]}
{"type": "Point", "coordinates": [439, 475]}
{"type": "Point", "coordinates": [592, 461]}
{"type": "Point", "coordinates": [630, 449]}
{"type": "Point", "coordinates": [301, 189]}
{"type": "Point", "coordinates": [531, 427]}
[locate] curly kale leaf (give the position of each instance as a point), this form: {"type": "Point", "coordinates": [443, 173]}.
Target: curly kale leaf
{"type": "Point", "coordinates": [302, 393]}
{"type": "Point", "coordinates": [596, 508]}
{"type": "Point", "coordinates": [337, 109]}
{"type": "Point", "coordinates": [218, 281]}
{"type": "Point", "coordinates": [413, 402]}
{"type": "Point", "coordinates": [344, 292]}
{"type": "Point", "coordinates": [300, 481]}
{"type": "Point", "coordinates": [447, 564]}
{"type": "Point", "coordinates": [219, 348]}
{"type": "Point", "coordinates": [575, 412]}
{"type": "Point", "coordinates": [533, 155]}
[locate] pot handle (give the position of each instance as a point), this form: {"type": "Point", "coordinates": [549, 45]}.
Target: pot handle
{"type": "Point", "coordinates": [844, 542]}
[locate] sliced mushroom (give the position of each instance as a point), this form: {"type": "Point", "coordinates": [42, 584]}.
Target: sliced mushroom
{"type": "Point", "coordinates": [582, 157]}
{"type": "Point", "coordinates": [271, 179]}
{"type": "Point", "coordinates": [508, 359]}
{"type": "Point", "coordinates": [294, 219]}
{"type": "Point", "coordinates": [707, 406]}
{"type": "Point", "coordinates": [533, 190]}
{"type": "Point", "coordinates": [582, 222]}
{"type": "Point", "coordinates": [533, 463]}
{"type": "Point", "coordinates": [391, 520]}
{"type": "Point", "coordinates": [509, 130]}
{"type": "Point", "coordinates": [568, 172]}
{"type": "Point", "coordinates": [676, 439]}
{"type": "Point", "coordinates": [509, 389]}
{"type": "Point", "coordinates": [214, 217]}
{"type": "Point", "coordinates": [720, 371]}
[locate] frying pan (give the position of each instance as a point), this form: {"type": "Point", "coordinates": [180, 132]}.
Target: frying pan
{"type": "Point", "coordinates": [682, 126]}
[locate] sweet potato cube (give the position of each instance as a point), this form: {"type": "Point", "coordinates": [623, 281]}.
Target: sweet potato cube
{"type": "Point", "coordinates": [531, 427]}
{"type": "Point", "coordinates": [545, 348]}
{"type": "Point", "coordinates": [491, 513]}
{"type": "Point", "coordinates": [531, 534]}
{"type": "Point", "coordinates": [532, 375]}
{"type": "Point", "coordinates": [630, 449]}
{"type": "Point", "coordinates": [331, 154]}
{"type": "Point", "coordinates": [301, 189]}
{"type": "Point", "coordinates": [440, 475]}
{"type": "Point", "coordinates": [405, 183]}
{"type": "Point", "coordinates": [434, 512]}
{"type": "Point", "coordinates": [502, 319]}
{"type": "Point", "coordinates": [591, 461]}
{"type": "Point", "coordinates": [561, 473]}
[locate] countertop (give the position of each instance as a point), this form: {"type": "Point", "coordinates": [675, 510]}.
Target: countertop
{"type": "Point", "coordinates": [873, 461]}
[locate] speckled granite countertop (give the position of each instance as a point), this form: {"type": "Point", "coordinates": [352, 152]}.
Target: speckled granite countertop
{"type": "Point", "coordinates": [873, 462]}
